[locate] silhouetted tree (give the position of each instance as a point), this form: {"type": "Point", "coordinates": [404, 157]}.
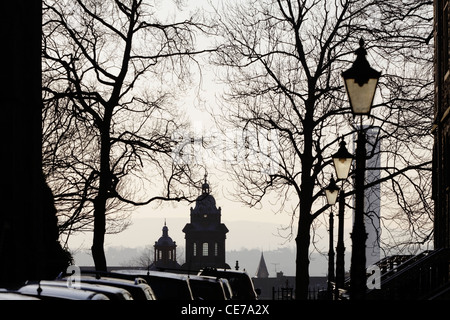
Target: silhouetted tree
{"type": "Point", "coordinates": [112, 73]}
{"type": "Point", "coordinates": [282, 62]}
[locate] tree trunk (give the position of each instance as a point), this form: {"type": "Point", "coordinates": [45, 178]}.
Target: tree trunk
{"type": "Point", "coordinates": [98, 251]}
{"type": "Point", "coordinates": [303, 238]}
{"type": "Point", "coordinates": [302, 261]}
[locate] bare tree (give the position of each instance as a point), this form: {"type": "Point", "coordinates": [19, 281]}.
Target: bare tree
{"type": "Point", "coordinates": [112, 73]}
{"type": "Point", "coordinates": [144, 259]}
{"type": "Point", "coordinates": [282, 62]}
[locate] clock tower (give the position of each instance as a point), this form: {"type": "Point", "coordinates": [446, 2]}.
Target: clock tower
{"type": "Point", "coordinates": [205, 235]}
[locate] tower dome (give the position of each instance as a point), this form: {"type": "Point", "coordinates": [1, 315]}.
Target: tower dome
{"type": "Point", "coordinates": [165, 240]}
{"type": "Point", "coordinates": [205, 203]}
{"type": "Point", "coordinates": [165, 252]}
{"type": "Point", "coordinates": [205, 186]}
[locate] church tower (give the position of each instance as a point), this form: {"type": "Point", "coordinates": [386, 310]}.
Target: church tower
{"type": "Point", "coordinates": [205, 235]}
{"type": "Point", "coordinates": [165, 252]}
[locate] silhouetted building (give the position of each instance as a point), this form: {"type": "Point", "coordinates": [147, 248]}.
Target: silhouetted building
{"type": "Point", "coordinates": [425, 276]}
{"type": "Point", "coordinates": [441, 127]}
{"type": "Point", "coordinates": [29, 246]}
{"type": "Point", "coordinates": [282, 287]}
{"type": "Point", "coordinates": [165, 252]}
{"type": "Point", "coordinates": [262, 271]}
{"type": "Point", "coordinates": [205, 235]}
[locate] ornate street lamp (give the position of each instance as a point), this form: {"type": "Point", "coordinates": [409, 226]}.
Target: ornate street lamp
{"type": "Point", "coordinates": [342, 161]}
{"type": "Point", "coordinates": [360, 83]}
{"type": "Point", "coordinates": [331, 192]}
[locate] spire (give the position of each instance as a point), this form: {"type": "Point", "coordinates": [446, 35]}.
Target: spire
{"type": "Point", "coordinates": [165, 230]}
{"type": "Point", "coordinates": [262, 271]}
{"type": "Point", "coordinates": [205, 185]}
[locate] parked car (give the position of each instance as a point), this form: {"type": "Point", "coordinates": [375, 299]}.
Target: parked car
{"type": "Point", "coordinates": [165, 285]}
{"type": "Point", "coordinates": [113, 293]}
{"type": "Point", "coordinates": [44, 292]}
{"type": "Point", "coordinates": [139, 288]}
{"type": "Point", "coordinates": [227, 288]}
{"type": "Point", "coordinates": [240, 282]}
{"type": "Point", "coordinates": [207, 288]}
{"type": "Point", "coordinates": [6, 294]}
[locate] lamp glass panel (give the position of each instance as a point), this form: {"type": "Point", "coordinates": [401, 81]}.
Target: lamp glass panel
{"type": "Point", "coordinates": [331, 196]}
{"type": "Point", "coordinates": [361, 97]}
{"type": "Point", "coordinates": [342, 167]}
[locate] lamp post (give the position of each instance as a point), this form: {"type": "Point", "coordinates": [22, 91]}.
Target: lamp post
{"type": "Point", "coordinates": [331, 192]}
{"type": "Point", "coordinates": [360, 83]}
{"type": "Point", "coordinates": [342, 161]}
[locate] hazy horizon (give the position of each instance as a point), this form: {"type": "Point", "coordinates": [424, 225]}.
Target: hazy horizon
{"type": "Point", "coordinates": [245, 242]}
{"type": "Point", "coordinates": [277, 260]}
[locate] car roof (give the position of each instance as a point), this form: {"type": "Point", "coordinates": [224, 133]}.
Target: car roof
{"type": "Point", "coordinates": [139, 288]}
{"type": "Point", "coordinates": [239, 281]}
{"type": "Point", "coordinates": [143, 273]}
{"type": "Point", "coordinates": [222, 271]}
{"type": "Point", "coordinates": [207, 288]}
{"type": "Point", "coordinates": [113, 279]}
{"type": "Point", "coordinates": [114, 293]}
{"type": "Point", "coordinates": [203, 278]}
{"type": "Point", "coordinates": [53, 292]}
{"type": "Point", "coordinates": [166, 285]}
{"type": "Point", "coordinates": [7, 295]}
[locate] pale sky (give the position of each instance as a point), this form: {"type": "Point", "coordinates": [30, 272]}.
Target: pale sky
{"type": "Point", "coordinates": [248, 228]}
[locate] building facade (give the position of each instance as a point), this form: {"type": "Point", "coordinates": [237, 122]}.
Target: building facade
{"type": "Point", "coordinates": [205, 234]}
{"type": "Point", "coordinates": [441, 126]}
